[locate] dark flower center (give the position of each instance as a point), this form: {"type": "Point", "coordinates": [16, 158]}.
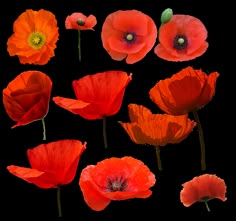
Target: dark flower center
{"type": "Point", "coordinates": [180, 42]}
{"type": "Point", "coordinates": [80, 22]}
{"type": "Point", "coordinates": [130, 37]}
{"type": "Point", "coordinates": [117, 184]}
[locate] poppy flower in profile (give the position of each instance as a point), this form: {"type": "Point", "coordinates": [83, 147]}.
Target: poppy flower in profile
{"type": "Point", "coordinates": [186, 91]}
{"type": "Point", "coordinates": [97, 96]}
{"type": "Point", "coordinates": [156, 129]}
{"type": "Point", "coordinates": [52, 165]}
{"type": "Point", "coordinates": [128, 34]}
{"type": "Point", "coordinates": [115, 179]}
{"type": "Point", "coordinates": [202, 189]}
{"type": "Point", "coordinates": [26, 98]}
{"type": "Point", "coordinates": [183, 38]}
{"type": "Point", "coordinates": [79, 21]}
{"type": "Point", "coordinates": [34, 38]}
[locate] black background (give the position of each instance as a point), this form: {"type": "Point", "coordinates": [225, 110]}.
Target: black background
{"type": "Point", "coordinates": [181, 162]}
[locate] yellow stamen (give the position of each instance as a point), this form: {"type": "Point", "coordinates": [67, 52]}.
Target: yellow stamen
{"type": "Point", "coordinates": [36, 40]}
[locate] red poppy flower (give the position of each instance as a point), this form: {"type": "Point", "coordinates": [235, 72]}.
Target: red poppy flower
{"type": "Point", "coordinates": [128, 34]}
{"type": "Point", "coordinates": [98, 95]}
{"type": "Point", "coordinates": [34, 38]}
{"type": "Point", "coordinates": [186, 91]}
{"type": "Point", "coordinates": [115, 179]}
{"type": "Point", "coordinates": [183, 38]}
{"type": "Point", "coordinates": [156, 129]}
{"type": "Point", "coordinates": [202, 189]}
{"type": "Point", "coordinates": [52, 165]}
{"type": "Point", "coordinates": [26, 98]}
{"type": "Point", "coordinates": [79, 21]}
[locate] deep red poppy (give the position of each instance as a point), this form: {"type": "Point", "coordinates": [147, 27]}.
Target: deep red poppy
{"type": "Point", "coordinates": [26, 98]}
{"type": "Point", "coordinates": [183, 38]}
{"type": "Point", "coordinates": [98, 95]}
{"type": "Point", "coordinates": [79, 21]}
{"type": "Point", "coordinates": [156, 129]}
{"type": "Point", "coordinates": [52, 165]}
{"type": "Point", "coordinates": [202, 189]}
{"type": "Point", "coordinates": [115, 179]}
{"type": "Point", "coordinates": [186, 91]}
{"type": "Point", "coordinates": [128, 34]}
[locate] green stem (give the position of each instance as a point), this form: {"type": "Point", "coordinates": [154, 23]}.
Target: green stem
{"type": "Point", "coordinates": [104, 132]}
{"type": "Point", "coordinates": [44, 129]}
{"type": "Point", "coordinates": [79, 45]}
{"type": "Point", "coordinates": [208, 208]}
{"type": "Point", "coordinates": [158, 155]}
{"type": "Point", "coordinates": [201, 139]}
{"type": "Point", "coordinates": [59, 201]}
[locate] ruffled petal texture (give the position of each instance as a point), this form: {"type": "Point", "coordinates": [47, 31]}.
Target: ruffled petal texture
{"type": "Point", "coordinates": [186, 91]}
{"type": "Point", "coordinates": [203, 187]}
{"type": "Point", "coordinates": [34, 38]}
{"type": "Point", "coordinates": [115, 179]}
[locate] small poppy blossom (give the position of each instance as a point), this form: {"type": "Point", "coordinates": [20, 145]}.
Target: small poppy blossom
{"type": "Point", "coordinates": [79, 21]}
{"type": "Point", "coordinates": [98, 95]}
{"type": "Point", "coordinates": [26, 98]}
{"type": "Point", "coordinates": [183, 38]}
{"type": "Point", "coordinates": [186, 91]}
{"type": "Point", "coordinates": [52, 165]}
{"type": "Point", "coordinates": [115, 179]}
{"type": "Point", "coordinates": [128, 34]}
{"type": "Point", "coordinates": [202, 189]}
{"type": "Point", "coordinates": [34, 38]}
{"type": "Point", "coordinates": [156, 129]}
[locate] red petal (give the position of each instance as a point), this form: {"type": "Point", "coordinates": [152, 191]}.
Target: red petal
{"type": "Point", "coordinates": [59, 160]}
{"type": "Point", "coordinates": [91, 194]}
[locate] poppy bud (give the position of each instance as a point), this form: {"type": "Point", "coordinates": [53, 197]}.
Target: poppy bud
{"type": "Point", "coordinates": [166, 15]}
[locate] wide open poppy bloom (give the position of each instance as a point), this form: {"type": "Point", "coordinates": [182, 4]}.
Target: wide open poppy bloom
{"type": "Point", "coordinates": [52, 165]}
{"type": "Point", "coordinates": [183, 38]}
{"type": "Point", "coordinates": [34, 38]}
{"type": "Point", "coordinates": [98, 95]}
{"type": "Point", "coordinates": [156, 129]}
{"type": "Point", "coordinates": [186, 91]}
{"type": "Point", "coordinates": [79, 21]}
{"type": "Point", "coordinates": [115, 179]}
{"type": "Point", "coordinates": [202, 189]}
{"type": "Point", "coordinates": [26, 98]}
{"type": "Point", "coordinates": [128, 34]}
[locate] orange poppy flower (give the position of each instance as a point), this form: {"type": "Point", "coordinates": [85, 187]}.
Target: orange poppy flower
{"type": "Point", "coordinates": [202, 189]}
{"type": "Point", "coordinates": [186, 91]}
{"type": "Point", "coordinates": [156, 129]}
{"type": "Point", "coordinates": [79, 21]}
{"type": "Point", "coordinates": [34, 38]}
{"type": "Point", "coordinates": [183, 38]}
{"type": "Point", "coordinates": [26, 98]}
{"type": "Point", "coordinates": [128, 34]}
{"type": "Point", "coordinates": [115, 179]}
{"type": "Point", "coordinates": [52, 165]}
{"type": "Point", "coordinates": [98, 95]}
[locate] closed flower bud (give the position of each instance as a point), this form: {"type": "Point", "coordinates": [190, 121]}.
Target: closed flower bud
{"type": "Point", "coordinates": [166, 15]}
